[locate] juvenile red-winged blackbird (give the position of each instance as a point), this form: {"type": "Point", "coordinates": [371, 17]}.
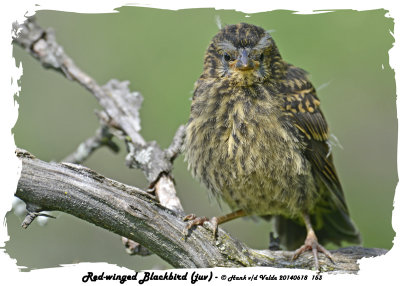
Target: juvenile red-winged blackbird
{"type": "Point", "coordinates": [257, 138]}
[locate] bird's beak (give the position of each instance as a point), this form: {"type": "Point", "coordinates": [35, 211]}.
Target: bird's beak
{"type": "Point", "coordinates": [243, 62]}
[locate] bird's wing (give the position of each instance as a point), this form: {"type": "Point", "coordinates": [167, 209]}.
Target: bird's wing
{"type": "Point", "coordinates": [331, 219]}
{"type": "Point", "coordinates": [302, 105]}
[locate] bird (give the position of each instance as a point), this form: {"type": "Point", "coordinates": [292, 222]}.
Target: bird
{"type": "Point", "coordinates": [257, 139]}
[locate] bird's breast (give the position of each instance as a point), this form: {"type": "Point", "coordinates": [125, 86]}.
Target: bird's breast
{"type": "Point", "coordinates": [237, 134]}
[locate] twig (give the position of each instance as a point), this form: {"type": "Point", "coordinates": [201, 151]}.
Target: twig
{"type": "Point", "coordinates": [134, 248]}
{"type": "Point", "coordinates": [102, 138]}
{"type": "Point", "coordinates": [121, 105]}
{"type": "Point", "coordinates": [175, 148]}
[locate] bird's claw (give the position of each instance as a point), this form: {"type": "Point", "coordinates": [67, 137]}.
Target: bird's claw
{"type": "Point", "coordinates": [311, 243]}
{"type": "Point", "coordinates": [194, 221]}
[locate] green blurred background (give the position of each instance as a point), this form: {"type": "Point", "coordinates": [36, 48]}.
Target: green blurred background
{"type": "Point", "coordinates": [161, 53]}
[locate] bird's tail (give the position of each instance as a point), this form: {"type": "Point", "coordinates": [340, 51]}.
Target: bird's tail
{"type": "Point", "coordinates": [330, 227]}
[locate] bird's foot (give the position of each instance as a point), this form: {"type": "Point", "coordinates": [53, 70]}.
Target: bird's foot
{"type": "Point", "coordinates": [311, 243]}
{"type": "Point", "coordinates": [214, 221]}
{"type": "Point", "coordinates": [194, 221]}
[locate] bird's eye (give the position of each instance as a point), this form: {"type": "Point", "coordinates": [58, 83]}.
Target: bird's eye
{"type": "Point", "coordinates": [261, 57]}
{"type": "Point", "coordinates": [227, 57]}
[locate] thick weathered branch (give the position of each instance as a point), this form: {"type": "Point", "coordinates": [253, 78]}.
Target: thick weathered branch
{"type": "Point", "coordinates": [137, 215]}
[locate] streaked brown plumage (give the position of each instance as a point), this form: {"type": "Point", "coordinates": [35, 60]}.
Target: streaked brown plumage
{"type": "Point", "coordinates": [257, 138]}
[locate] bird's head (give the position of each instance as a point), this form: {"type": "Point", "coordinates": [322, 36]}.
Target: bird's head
{"type": "Point", "coordinates": [242, 53]}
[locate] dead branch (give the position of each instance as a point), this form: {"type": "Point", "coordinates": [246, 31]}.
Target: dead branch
{"type": "Point", "coordinates": [120, 117]}
{"type": "Point", "coordinates": [136, 214]}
